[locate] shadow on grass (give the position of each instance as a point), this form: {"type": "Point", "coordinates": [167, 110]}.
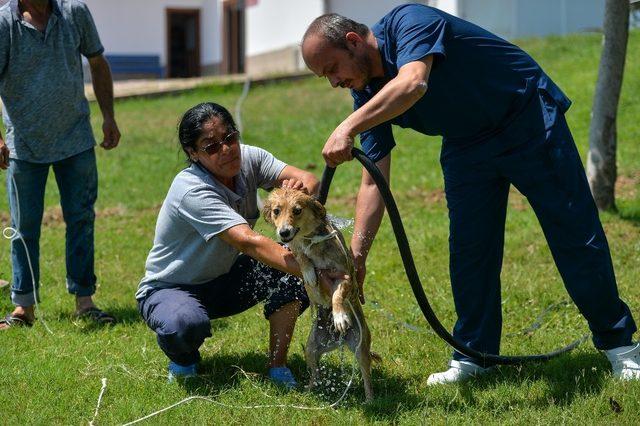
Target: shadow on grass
{"type": "Point", "coordinates": [630, 215]}
{"type": "Point", "coordinates": [565, 379]}
{"type": "Point", "coordinates": [233, 371]}
{"type": "Point", "coordinates": [125, 316]}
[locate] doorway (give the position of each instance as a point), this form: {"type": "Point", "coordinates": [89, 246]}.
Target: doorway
{"type": "Point", "coordinates": [234, 37]}
{"type": "Point", "coordinates": [183, 43]}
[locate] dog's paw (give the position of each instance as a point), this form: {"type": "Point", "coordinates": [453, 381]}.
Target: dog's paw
{"type": "Point", "coordinates": [341, 322]}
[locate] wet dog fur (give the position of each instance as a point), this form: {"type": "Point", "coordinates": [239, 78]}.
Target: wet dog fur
{"type": "Point", "coordinates": [301, 222]}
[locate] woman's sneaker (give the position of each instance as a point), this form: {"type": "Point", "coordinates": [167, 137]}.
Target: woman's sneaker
{"type": "Point", "coordinates": [179, 372]}
{"type": "Point", "coordinates": [282, 376]}
{"type": "Point", "coordinates": [458, 371]}
{"type": "Point", "coordinates": [625, 362]}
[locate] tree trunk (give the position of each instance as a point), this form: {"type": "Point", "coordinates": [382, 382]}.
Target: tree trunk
{"type": "Point", "coordinates": [601, 162]}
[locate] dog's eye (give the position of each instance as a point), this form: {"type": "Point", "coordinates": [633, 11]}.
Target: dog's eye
{"type": "Point", "coordinates": [297, 210]}
{"type": "Point", "coordinates": [276, 211]}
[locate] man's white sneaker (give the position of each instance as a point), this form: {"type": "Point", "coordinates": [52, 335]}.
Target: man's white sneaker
{"type": "Point", "coordinates": [457, 372]}
{"type": "Point", "coordinates": [625, 362]}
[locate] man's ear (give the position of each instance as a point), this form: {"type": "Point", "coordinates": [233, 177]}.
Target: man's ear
{"type": "Point", "coordinates": [353, 38]}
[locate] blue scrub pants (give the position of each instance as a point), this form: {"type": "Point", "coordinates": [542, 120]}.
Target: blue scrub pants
{"type": "Point", "coordinates": [548, 171]}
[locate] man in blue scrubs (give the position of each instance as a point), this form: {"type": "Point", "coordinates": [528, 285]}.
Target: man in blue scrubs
{"type": "Point", "coordinates": [502, 122]}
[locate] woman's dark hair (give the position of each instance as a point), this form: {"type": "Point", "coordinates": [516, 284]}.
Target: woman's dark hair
{"type": "Point", "coordinates": [190, 126]}
{"type": "Point", "coordinates": [333, 28]}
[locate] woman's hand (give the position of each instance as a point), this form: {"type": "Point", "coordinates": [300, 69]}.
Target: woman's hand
{"type": "Point", "coordinates": [295, 178]}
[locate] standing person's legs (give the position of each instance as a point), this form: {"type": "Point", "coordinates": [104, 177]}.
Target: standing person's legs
{"type": "Point", "coordinates": [552, 177]}
{"type": "Point", "coordinates": [26, 200]}
{"type": "Point", "coordinates": [77, 179]}
{"type": "Point", "coordinates": [477, 202]}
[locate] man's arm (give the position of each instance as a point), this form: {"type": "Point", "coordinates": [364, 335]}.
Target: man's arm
{"type": "Point", "coordinates": [397, 96]}
{"type": "Point", "coordinates": [293, 177]}
{"type": "Point", "coordinates": [103, 89]}
{"type": "Point", "coordinates": [369, 213]}
{"type": "Point", "coordinates": [261, 248]}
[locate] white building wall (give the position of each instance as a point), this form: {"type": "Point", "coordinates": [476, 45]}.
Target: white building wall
{"type": "Point", "coordinates": [211, 32]}
{"type": "Point", "coordinates": [539, 18]}
{"type": "Point", "coordinates": [139, 26]}
{"type": "Point", "coordinates": [497, 16]}
{"type": "Point", "coordinates": [525, 18]}
{"type": "Point", "coordinates": [558, 17]}
{"type": "Point", "coordinates": [449, 6]}
{"type": "Point", "coordinates": [277, 24]}
{"type": "Point", "coordinates": [364, 11]}
{"type": "Point", "coordinates": [582, 15]}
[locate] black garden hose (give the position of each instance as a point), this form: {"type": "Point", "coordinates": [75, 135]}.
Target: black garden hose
{"type": "Point", "coordinates": [414, 280]}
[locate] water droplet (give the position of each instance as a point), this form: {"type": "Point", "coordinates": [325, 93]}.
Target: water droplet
{"type": "Point", "coordinates": [340, 222]}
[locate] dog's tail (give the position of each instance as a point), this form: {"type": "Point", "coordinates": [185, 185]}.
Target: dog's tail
{"type": "Point", "coordinates": [375, 357]}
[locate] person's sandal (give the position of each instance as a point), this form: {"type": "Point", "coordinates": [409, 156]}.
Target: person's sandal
{"type": "Point", "coordinates": [97, 315]}
{"type": "Point", "coordinates": [13, 320]}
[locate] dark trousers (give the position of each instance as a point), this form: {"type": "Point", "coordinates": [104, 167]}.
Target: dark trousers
{"type": "Point", "coordinates": [548, 171]}
{"type": "Point", "coordinates": [180, 316]}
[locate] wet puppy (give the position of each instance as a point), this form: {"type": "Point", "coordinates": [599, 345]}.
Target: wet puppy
{"type": "Point", "coordinates": [301, 222]}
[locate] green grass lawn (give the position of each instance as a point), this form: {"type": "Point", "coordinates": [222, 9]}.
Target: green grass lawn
{"type": "Point", "coordinates": [55, 379]}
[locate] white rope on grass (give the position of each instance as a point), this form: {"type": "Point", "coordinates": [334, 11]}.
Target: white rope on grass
{"type": "Point", "coordinates": [95, 414]}
{"type": "Point", "coordinates": [250, 407]}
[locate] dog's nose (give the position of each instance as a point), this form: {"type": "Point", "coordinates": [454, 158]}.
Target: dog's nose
{"type": "Point", "coordinates": [285, 233]}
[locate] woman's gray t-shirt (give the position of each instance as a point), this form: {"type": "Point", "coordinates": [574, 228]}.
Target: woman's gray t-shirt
{"type": "Point", "coordinates": [186, 249]}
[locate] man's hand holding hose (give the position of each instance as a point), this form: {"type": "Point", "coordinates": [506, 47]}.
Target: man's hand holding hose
{"type": "Point", "coordinates": [338, 147]}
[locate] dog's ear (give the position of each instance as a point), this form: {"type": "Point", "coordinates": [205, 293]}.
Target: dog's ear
{"type": "Point", "coordinates": [266, 210]}
{"type": "Point", "coordinates": [318, 209]}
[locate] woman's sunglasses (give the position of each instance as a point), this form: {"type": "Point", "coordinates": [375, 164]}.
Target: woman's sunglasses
{"type": "Point", "coordinates": [214, 148]}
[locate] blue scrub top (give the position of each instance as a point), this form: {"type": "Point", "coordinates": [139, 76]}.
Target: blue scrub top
{"type": "Point", "coordinates": [482, 90]}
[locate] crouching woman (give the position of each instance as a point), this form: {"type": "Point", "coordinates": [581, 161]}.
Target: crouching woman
{"type": "Point", "coordinates": [206, 261]}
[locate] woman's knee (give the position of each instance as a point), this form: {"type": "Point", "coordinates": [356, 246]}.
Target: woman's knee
{"type": "Point", "coordinates": [186, 330]}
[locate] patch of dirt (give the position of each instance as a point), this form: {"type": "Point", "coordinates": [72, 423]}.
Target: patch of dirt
{"type": "Point", "coordinates": [343, 200]}
{"type": "Point", "coordinates": [53, 215]}
{"type": "Point", "coordinates": [627, 186]}
{"type": "Point", "coordinates": [517, 201]}
{"type": "Point", "coordinates": [435, 196]}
